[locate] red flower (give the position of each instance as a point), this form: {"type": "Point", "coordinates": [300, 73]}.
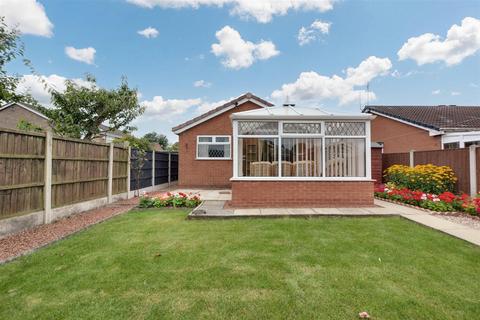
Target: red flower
{"type": "Point", "coordinates": [447, 197]}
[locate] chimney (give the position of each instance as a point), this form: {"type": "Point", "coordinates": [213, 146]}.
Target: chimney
{"type": "Point", "coordinates": [287, 102]}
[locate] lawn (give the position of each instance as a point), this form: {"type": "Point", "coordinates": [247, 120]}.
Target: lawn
{"type": "Point", "coordinates": [154, 264]}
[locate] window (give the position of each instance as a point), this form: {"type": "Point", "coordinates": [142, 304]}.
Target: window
{"type": "Point", "coordinates": [213, 147]}
{"type": "Point", "coordinates": [471, 143]}
{"type": "Point", "coordinates": [451, 145]}
{"type": "Point", "coordinates": [258, 157]}
{"type": "Point", "coordinates": [301, 157]}
{"type": "Point", "coordinates": [311, 150]}
{"type": "Point", "coordinates": [345, 157]}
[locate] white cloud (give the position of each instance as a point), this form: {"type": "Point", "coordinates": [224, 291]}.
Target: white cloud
{"type": "Point", "coordinates": [38, 86]}
{"type": "Point", "coordinates": [435, 92]}
{"type": "Point", "coordinates": [312, 32]}
{"type": "Point", "coordinates": [202, 84]}
{"type": "Point", "coordinates": [161, 108]}
{"type": "Point", "coordinates": [474, 85]}
{"type": "Point", "coordinates": [207, 106]}
{"type": "Point", "coordinates": [455, 93]}
{"type": "Point", "coordinates": [239, 53]}
{"type": "Point", "coordinates": [461, 41]}
{"type": "Point", "coordinates": [311, 86]}
{"type": "Point", "coordinates": [86, 55]}
{"type": "Point", "coordinates": [262, 11]}
{"type": "Point", "coordinates": [28, 16]}
{"type": "Point", "coordinates": [149, 32]}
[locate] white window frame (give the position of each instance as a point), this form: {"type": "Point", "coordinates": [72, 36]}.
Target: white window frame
{"type": "Point", "coordinates": [214, 142]}
{"type": "Point", "coordinates": [280, 135]}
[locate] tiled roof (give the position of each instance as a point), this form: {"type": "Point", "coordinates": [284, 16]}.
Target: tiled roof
{"type": "Point", "coordinates": [441, 117]}
{"type": "Point", "coordinates": [225, 106]}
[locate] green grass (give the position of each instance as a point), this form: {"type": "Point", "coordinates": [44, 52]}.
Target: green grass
{"type": "Point", "coordinates": [154, 264]}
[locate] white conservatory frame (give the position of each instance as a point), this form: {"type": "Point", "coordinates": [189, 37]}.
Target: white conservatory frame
{"type": "Point", "coordinates": [244, 116]}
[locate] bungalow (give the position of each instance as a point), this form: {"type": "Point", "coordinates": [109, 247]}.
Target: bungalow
{"type": "Point", "coordinates": [278, 156]}
{"type": "Point", "coordinates": [420, 128]}
{"type": "Point", "coordinates": [14, 112]}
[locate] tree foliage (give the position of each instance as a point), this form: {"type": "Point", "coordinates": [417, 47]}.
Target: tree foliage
{"type": "Point", "coordinates": [11, 48]}
{"type": "Point", "coordinates": [159, 138]}
{"type": "Point", "coordinates": [80, 110]}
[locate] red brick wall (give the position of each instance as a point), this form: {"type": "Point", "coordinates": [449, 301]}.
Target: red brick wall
{"type": "Point", "coordinates": [266, 194]}
{"type": "Point", "coordinates": [377, 173]}
{"type": "Point", "coordinates": [207, 173]}
{"type": "Point", "coordinates": [400, 137]}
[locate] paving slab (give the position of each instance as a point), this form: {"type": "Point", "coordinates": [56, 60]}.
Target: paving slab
{"type": "Point", "coordinates": [301, 211]}
{"type": "Point", "coordinates": [247, 212]}
{"type": "Point", "coordinates": [274, 211]}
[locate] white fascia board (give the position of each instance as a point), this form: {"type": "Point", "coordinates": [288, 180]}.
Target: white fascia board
{"type": "Point", "coordinates": [302, 117]}
{"type": "Point", "coordinates": [431, 132]}
{"type": "Point", "coordinates": [24, 107]}
{"type": "Point", "coordinates": [213, 115]}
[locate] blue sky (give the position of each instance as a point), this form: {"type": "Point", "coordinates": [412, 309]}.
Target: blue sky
{"type": "Point", "coordinates": [258, 50]}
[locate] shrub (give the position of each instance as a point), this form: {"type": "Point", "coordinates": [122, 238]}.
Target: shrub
{"type": "Point", "coordinates": [170, 199]}
{"type": "Point", "coordinates": [427, 178]}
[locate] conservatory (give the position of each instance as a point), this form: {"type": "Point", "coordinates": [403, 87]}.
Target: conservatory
{"type": "Point", "coordinates": [288, 156]}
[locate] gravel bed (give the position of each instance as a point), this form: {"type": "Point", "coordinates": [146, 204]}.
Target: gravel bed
{"type": "Point", "coordinates": [29, 240]}
{"type": "Point", "coordinates": [461, 219]}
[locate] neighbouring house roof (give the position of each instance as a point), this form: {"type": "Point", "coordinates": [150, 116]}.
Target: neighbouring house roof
{"type": "Point", "coordinates": [221, 109]}
{"type": "Point", "coordinates": [115, 133]}
{"type": "Point", "coordinates": [25, 106]}
{"type": "Point", "coordinates": [442, 118]}
{"type": "Point", "coordinates": [291, 112]}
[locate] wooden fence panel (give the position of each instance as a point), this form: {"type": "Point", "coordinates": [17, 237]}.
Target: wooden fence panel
{"type": "Point", "coordinates": [457, 159]}
{"type": "Point", "coordinates": [79, 171]}
{"type": "Point", "coordinates": [21, 172]}
{"type": "Point", "coordinates": [161, 167]}
{"type": "Point", "coordinates": [145, 175]}
{"type": "Point", "coordinates": [389, 159]}
{"type": "Point", "coordinates": [120, 170]}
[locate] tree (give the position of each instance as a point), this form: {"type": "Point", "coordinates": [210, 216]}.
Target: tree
{"type": "Point", "coordinates": [80, 110]}
{"type": "Point", "coordinates": [11, 48]}
{"type": "Point", "coordinates": [24, 125]}
{"type": "Point", "coordinates": [154, 137]}
{"type": "Point", "coordinates": [173, 147]}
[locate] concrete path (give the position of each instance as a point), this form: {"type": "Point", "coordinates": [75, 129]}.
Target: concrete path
{"type": "Point", "coordinates": [422, 217]}
{"type": "Point", "coordinates": [211, 209]}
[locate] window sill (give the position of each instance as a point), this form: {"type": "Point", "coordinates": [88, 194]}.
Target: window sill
{"type": "Point", "coordinates": [214, 159]}
{"type": "Point", "coordinates": [338, 179]}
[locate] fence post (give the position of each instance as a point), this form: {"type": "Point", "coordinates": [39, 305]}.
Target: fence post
{"type": "Point", "coordinates": [473, 169]}
{"type": "Point", "coordinates": [412, 159]}
{"type": "Point", "coordinates": [110, 174]}
{"type": "Point", "coordinates": [153, 168]}
{"type": "Point", "coordinates": [169, 167]}
{"type": "Point", "coordinates": [47, 192]}
{"type": "Point", "coordinates": [128, 171]}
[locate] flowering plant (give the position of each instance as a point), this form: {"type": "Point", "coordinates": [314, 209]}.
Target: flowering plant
{"type": "Point", "coordinates": [170, 199]}
{"type": "Point", "coordinates": [426, 177]}
{"type": "Point", "coordinates": [444, 202]}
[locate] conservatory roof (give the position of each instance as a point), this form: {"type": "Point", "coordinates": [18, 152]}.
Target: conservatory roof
{"type": "Point", "coordinates": [296, 113]}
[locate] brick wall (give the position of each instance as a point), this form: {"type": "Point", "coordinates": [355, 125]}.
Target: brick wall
{"type": "Point", "coordinates": [377, 173]}
{"type": "Point", "coordinates": [207, 173]}
{"type": "Point", "coordinates": [265, 194]}
{"type": "Point", "coordinates": [400, 137]}
{"type": "Point", "coordinates": [10, 117]}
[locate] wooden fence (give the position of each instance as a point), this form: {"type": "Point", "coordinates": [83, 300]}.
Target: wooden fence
{"type": "Point", "coordinates": [464, 162]}
{"type": "Point", "coordinates": [160, 167]}
{"type": "Point", "coordinates": [33, 165]}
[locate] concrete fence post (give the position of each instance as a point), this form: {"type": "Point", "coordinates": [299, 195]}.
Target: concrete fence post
{"type": "Point", "coordinates": [128, 171]}
{"type": "Point", "coordinates": [412, 158]}
{"type": "Point", "coordinates": [153, 168]}
{"type": "Point", "coordinates": [110, 174]}
{"type": "Point", "coordinates": [47, 192]}
{"type": "Point", "coordinates": [473, 169]}
{"type": "Point", "coordinates": [169, 168]}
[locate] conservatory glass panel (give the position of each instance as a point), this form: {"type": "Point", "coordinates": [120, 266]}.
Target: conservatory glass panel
{"type": "Point", "coordinates": [345, 157]}
{"type": "Point", "coordinates": [257, 128]}
{"type": "Point", "coordinates": [257, 157]}
{"type": "Point", "coordinates": [301, 157]}
{"type": "Point", "coordinates": [302, 127]}
{"type": "Point", "coordinates": [339, 128]}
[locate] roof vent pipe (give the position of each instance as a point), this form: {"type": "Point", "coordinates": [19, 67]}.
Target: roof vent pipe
{"type": "Point", "coordinates": [287, 102]}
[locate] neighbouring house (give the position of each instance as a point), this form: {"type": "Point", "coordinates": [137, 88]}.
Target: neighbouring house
{"type": "Point", "coordinates": [14, 112]}
{"type": "Point", "coordinates": [420, 128]}
{"type": "Point", "coordinates": [278, 156]}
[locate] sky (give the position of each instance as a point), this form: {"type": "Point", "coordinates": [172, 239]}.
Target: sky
{"type": "Point", "coordinates": [188, 56]}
